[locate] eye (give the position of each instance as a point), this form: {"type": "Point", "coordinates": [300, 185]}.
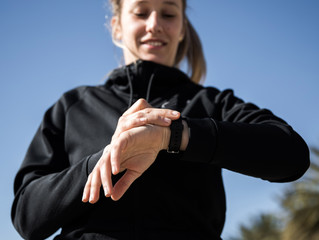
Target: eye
{"type": "Point", "coordinates": [140, 14]}
{"type": "Point", "coordinates": [166, 15]}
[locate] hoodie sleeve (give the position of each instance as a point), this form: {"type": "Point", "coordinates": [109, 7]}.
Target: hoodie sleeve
{"type": "Point", "coordinates": [47, 189]}
{"type": "Point", "coordinates": [243, 138]}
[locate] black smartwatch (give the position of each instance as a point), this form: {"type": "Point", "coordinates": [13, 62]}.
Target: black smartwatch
{"type": "Point", "coordinates": [176, 136]}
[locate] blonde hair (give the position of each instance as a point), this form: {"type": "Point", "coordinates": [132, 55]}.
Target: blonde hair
{"type": "Point", "coordinates": [190, 48]}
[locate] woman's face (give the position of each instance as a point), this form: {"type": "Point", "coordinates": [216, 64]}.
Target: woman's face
{"type": "Point", "coordinates": [150, 30]}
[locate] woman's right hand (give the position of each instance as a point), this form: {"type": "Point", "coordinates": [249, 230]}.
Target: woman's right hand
{"type": "Point", "coordinates": [140, 114]}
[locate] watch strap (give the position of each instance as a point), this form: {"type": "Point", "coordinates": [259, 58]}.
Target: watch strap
{"type": "Point", "coordinates": [175, 141]}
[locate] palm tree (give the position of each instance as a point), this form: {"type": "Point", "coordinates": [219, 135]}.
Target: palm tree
{"type": "Point", "coordinates": [262, 227]}
{"type": "Point", "coordinates": [301, 203]}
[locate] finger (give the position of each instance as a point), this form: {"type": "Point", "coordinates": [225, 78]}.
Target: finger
{"type": "Point", "coordinates": [86, 191]}
{"type": "Point", "coordinates": [138, 105]}
{"type": "Point", "coordinates": [95, 186]}
{"type": "Point", "coordinates": [106, 175]}
{"type": "Point", "coordinates": [155, 116]}
{"type": "Point", "coordinates": [123, 184]}
{"type": "Point", "coordinates": [117, 149]}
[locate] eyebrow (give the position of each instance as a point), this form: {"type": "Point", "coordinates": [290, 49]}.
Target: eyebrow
{"type": "Point", "coordinates": [171, 3]}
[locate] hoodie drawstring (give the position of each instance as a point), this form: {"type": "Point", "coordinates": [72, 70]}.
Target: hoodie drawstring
{"type": "Point", "coordinates": [131, 87]}
{"type": "Point", "coordinates": [149, 87]}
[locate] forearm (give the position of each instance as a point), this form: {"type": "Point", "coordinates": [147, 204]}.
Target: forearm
{"type": "Point", "coordinates": [267, 151]}
{"type": "Point", "coordinates": [48, 202]}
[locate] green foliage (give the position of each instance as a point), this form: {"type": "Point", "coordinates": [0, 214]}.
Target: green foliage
{"type": "Point", "coordinates": [263, 227]}
{"type": "Point", "coordinates": [300, 204]}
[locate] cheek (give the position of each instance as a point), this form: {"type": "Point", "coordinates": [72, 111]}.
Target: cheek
{"type": "Point", "coordinates": [133, 31]}
{"type": "Point", "coordinates": [175, 31]}
{"type": "Point", "coordinates": [175, 36]}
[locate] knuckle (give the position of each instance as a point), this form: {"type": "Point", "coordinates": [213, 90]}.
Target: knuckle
{"type": "Point", "coordinates": [140, 114]}
{"type": "Point", "coordinates": [130, 124]}
{"type": "Point", "coordinates": [121, 118]}
{"type": "Point", "coordinates": [160, 117]}
{"type": "Point", "coordinates": [142, 101]}
{"type": "Point", "coordinates": [119, 123]}
{"type": "Point", "coordinates": [164, 112]}
{"type": "Point", "coordinates": [116, 144]}
{"type": "Point", "coordinates": [148, 110]}
{"type": "Point", "coordinates": [126, 183]}
{"type": "Point", "coordinates": [126, 125]}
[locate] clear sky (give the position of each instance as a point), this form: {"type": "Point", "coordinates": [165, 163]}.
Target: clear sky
{"type": "Point", "coordinates": [266, 50]}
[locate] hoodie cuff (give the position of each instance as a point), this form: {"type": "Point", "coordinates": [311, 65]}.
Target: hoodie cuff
{"type": "Point", "coordinates": [92, 161]}
{"type": "Point", "coordinates": [202, 140]}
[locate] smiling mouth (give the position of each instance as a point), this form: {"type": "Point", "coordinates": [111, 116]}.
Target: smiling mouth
{"type": "Point", "coordinates": [155, 43]}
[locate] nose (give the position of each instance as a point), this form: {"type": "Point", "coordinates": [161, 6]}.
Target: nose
{"type": "Point", "coordinates": [153, 23]}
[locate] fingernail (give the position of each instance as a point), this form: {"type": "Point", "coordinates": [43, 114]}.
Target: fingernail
{"type": "Point", "coordinates": [106, 191]}
{"type": "Point", "coordinates": [142, 119]}
{"type": "Point", "coordinates": [113, 169]}
{"type": "Point", "coordinates": [175, 113]}
{"type": "Point", "coordinates": [167, 120]}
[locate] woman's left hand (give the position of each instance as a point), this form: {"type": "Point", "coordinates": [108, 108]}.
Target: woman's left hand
{"type": "Point", "coordinates": [134, 147]}
{"type": "Point", "coordinates": [135, 151]}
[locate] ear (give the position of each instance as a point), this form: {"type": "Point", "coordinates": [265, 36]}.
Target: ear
{"type": "Point", "coordinates": [116, 28]}
{"type": "Point", "coordinates": [181, 37]}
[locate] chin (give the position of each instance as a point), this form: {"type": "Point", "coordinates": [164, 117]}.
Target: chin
{"type": "Point", "coordinates": [157, 60]}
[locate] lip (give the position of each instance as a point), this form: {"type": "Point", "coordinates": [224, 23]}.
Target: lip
{"type": "Point", "coordinates": [154, 43]}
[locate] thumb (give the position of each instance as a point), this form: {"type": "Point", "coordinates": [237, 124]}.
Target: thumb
{"type": "Point", "coordinates": [123, 184]}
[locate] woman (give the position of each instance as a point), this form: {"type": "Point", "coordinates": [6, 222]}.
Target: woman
{"type": "Point", "coordinates": [152, 139]}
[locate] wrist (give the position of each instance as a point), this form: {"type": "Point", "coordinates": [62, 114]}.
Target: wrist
{"type": "Point", "coordinates": [179, 136]}
{"type": "Point", "coordinates": [175, 140]}
{"type": "Point", "coordinates": [166, 138]}
{"type": "Point", "coordinates": [185, 136]}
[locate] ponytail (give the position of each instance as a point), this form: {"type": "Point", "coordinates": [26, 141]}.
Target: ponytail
{"type": "Point", "coordinates": [191, 49]}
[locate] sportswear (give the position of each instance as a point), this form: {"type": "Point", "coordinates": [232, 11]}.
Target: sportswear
{"type": "Point", "coordinates": [181, 196]}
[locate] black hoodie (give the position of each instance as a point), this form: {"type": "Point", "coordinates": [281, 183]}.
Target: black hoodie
{"type": "Point", "coordinates": [181, 196]}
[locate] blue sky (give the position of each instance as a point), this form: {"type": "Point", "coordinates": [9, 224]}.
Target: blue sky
{"type": "Point", "coordinates": [267, 51]}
